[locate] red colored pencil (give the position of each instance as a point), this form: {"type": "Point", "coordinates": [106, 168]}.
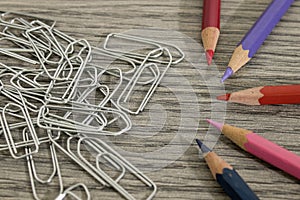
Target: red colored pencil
{"type": "Point", "coordinates": [282, 94]}
{"type": "Point", "coordinates": [210, 27]}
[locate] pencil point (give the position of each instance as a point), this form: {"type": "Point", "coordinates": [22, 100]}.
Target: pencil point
{"type": "Point", "coordinates": [199, 143]}
{"type": "Point", "coordinates": [209, 56]}
{"type": "Point", "coordinates": [224, 97]}
{"type": "Point", "coordinates": [227, 74]}
{"type": "Point", "coordinates": [203, 147]}
{"type": "Point", "coordinates": [215, 124]}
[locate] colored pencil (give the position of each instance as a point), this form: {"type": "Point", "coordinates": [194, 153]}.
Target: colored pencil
{"type": "Point", "coordinates": [262, 148]}
{"type": "Point", "coordinates": [256, 35]}
{"type": "Point", "coordinates": [282, 94]}
{"type": "Point", "coordinates": [226, 176]}
{"type": "Point", "coordinates": [210, 27]}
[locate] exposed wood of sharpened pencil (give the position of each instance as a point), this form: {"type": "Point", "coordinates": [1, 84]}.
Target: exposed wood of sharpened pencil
{"type": "Point", "coordinates": [239, 58]}
{"type": "Point", "coordinates": [216, 164]}
{"type": "Point", "coordinates": [210, 37]}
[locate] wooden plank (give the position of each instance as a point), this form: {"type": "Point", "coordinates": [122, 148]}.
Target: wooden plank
{"type": "Point", "coordinates": [277, 62]}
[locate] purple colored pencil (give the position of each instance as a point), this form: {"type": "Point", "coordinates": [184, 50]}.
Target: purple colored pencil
{"type": "Point", "coordinates": [257, 35]}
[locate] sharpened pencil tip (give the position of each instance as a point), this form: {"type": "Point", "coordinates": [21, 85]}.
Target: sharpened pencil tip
{"type": "Point", "coordinates": [203, 147]}
{"type": "Point", "coordinates": [199, 142]}
{"type": "Point", "coordinates": [224, 97]}
{"type": "Point", "coordinates": [227, 74]}
{"type": "Point", "coordinates": [215, 124]}
{"type": "Point", "coordinates": [209, 56]}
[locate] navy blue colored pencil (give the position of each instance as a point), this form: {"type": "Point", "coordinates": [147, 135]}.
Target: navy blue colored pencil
{"type": "Point", "coordinates": [226, 176]}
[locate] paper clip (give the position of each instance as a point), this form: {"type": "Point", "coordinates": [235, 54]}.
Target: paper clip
{"type": "Point", "coordinates": [158, 45]}
{"type": "Point", "coordinates": [34, 179]}
{"type": "Point", "coordinates": [6, 128]}
{"type": "Point", "coordinates": [130, 86]}
{"type": "Point", "coordinates": [101, 147]}
{"type": "Point", "coordinates": [70, 192]}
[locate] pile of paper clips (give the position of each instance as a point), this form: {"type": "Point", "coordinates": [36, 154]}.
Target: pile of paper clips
{"type": "Point", "coordinates": [53, 89]}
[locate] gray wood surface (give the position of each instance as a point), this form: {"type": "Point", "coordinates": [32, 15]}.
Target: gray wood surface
{"type": "Point", "coordinates": [277, 62]}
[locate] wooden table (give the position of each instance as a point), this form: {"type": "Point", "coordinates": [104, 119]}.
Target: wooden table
{"type": "Point", "coordinates": [277, 62]}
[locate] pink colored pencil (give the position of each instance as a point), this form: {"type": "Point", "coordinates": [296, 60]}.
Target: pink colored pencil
{"type": "Point", "coordinates": [262, 148]}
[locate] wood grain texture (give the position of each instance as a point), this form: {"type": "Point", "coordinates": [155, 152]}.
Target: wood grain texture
{"type": "Point", "coordinates": [277, 62]}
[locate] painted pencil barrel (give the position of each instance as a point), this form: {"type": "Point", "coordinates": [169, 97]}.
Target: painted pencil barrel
{"type": "Point", "coordinates": [285, 94]}
{"type": "Point", "coordinates": [235, 186]}
{"type": "Point", "coordinates": [264, 25]}
{"type": "Point", "coordinates": [211, 14]}
{"type": "Point", "coordinates": [273, 154]}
